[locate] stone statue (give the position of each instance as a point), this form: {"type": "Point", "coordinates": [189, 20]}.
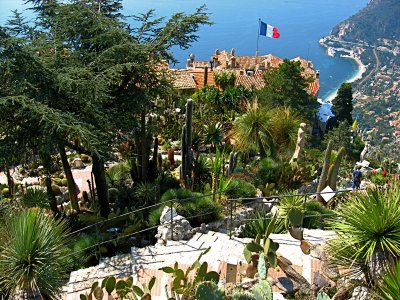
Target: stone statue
{"type": "Point", "coordinates": [300, 142]}
{"type": "Point", "coordinates": [364, 152]}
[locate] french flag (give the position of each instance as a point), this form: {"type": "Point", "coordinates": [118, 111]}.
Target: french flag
{"type": "Point", "coordinates": [269, 30]}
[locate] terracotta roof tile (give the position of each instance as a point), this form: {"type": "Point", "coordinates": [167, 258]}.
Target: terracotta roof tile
{"type": "Point", "coordinates": [248, 82]}
{"type": "Point", "coordinates": [184, 81]}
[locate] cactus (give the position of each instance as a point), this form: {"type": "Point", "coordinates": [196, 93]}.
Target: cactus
{"type": "Point", "coordinates": [262, 290]}
{"type": "Point", "coordinates": [323, 296]}
{"type": "Point", "coordinates": [264, 246]}
{"type": "Point", "coordinates": [242, 295]}
{"type": "Point", "coordinates": [187, 153]}
{"type": "Point", "coordinates": [333, 179]}
{"type": "Point", "coordinates": [209, 290]}
{"type": "Point", "coordinates": [232, 163]}
{"type": "Point", "coordinates": [324, 173]}
{"type": "Point", "coordinates": [171, 158]}
{"type": "Point", "coordinates": [184, 283]}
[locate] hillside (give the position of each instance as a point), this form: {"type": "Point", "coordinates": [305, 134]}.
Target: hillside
{"type": "Point", "coordinates": [379, 19]}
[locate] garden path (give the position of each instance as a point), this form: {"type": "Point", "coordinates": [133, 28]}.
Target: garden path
{"type": "Point", "coordinates": [225, 257]}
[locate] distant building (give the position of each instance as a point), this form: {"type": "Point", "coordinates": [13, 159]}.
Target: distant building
{"type": "Point", "coordinates": [248, 69]}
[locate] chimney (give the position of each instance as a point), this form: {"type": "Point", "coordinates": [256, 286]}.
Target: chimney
{"type": "Point", "coordinates": [233, 52]}
{"type": "Point", "coordinates": [233, 62]}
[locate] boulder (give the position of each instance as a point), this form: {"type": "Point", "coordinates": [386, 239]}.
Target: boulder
{"type": "Point", "coordinates": [361, 293]}
{"type": "Point", "coordinates": [178, 229]}
{"type": "Point", "coordinates": [77, 163]}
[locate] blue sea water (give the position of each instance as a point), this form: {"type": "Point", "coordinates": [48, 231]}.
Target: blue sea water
{"type": "Point", "coordinates": [301, 24]}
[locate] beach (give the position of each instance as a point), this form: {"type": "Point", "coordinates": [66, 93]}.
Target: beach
{"type": "Point", "coordinates": [357, 76]}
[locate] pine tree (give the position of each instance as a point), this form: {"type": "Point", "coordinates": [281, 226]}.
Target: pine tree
{"type": "Point", "coordinates": [343, 105]}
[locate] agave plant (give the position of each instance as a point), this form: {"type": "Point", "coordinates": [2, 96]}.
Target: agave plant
{"type": "Point", "coordinates": [33, 258]}
{"type": "Point", "coordinates": [368, 233]}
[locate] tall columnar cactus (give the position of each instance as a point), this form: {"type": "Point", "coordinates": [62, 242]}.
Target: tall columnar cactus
{"type": "Point", "coordinates": [324, 173]}
{"type": "Point", "coordinates": [333, 178]}
{"type": "Point", "coordinates": [187, 153]}
{"type": "Point", "coordinates": [232, 163]}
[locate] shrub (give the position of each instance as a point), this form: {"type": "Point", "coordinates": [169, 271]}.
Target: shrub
{"type": "Point", "coordinates": [154, 216]}
{"type": "Point", "coordinates": [196, 207]}
{"type": "Point", "coordinates": [316, 215]}
{"type": "Point", "coordinates": [260, 224]}
{"type": "Point", "coordinates": [35, 197]}
{"type": "Point", "coordinates": [147, 193]}
{"type": "Point", "coordinates": [198, 211]}
{"type": "Point", "coordinates": [33, 259]}
{"type": "Point", "coordinates": [378, 179]}
{"type": "Point", "coordinates": [240, 189]}
{"type": "Point", "coordinates": [367, 231]}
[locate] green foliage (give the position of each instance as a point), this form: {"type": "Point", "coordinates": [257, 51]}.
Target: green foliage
{"type": "Point", "coordinates": [316, 215]}
{"type": "Point", "coordinates": [154, 216]}
{"type": "Point", "coordinates": [213, 135]}
{"type": "Point", "coordinates": [33, 258]}
{"type": "Point", "coordinates": [116, 174]}
{"type": "Point", "coordinates": [389, 287]}
{"type": "Point", "coordinates": [242, 295]}
{"type": "Point", "coordinates": [253, 131]}
{"type": "Point", "coordinates": [322, 296]}
{"type": "Point", "coordinates": [200, 210]}
{"type": "Point", "coordinates": [240, 189]}
{"type": "Point", "coordinates": [342, 105]}
{"type": "Point", "coordinates": [259, 225]}
{"type": "Point", "coordinates": [266, 249]}
{"type": "Point", "coordinates": [285, 86]}
{"type": "Point", "coordinates": [260, 291]}
{"type": "Point", "coordinates": [196, 207]}
{"type": "Point", "coordinates": [367, 227]}
{"type": "Point", "coordinates": [209, 290]}
{"type": "Point", "coordinates": [186, 282]}
{"type": "Point", "coordinates": [147, 193]}
{"type": "Point", "coordinates": [378, 179]}
{"type": "Point", "coordinates": [225, 79]}
{"type": "Point", "coordinates": [35, 197]}
{"type": "Point", "coordinates": [125, 289]}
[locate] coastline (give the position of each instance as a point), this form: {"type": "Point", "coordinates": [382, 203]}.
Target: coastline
{"type": "Point", "coordinates": [357, 76]}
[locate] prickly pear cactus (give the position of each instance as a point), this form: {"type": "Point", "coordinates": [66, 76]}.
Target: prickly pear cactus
{"type": "Point", "coordinates": [242, 295]}
{"type": "Point", "coordinates": [262, 291]}
{"type": "Point", "coordinates": [209, 290]}
{"type": "Point", "coordinates": [323, 296]}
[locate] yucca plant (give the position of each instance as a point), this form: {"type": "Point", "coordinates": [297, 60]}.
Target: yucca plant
{"type": "Point", "coordinates": [35, 198]}
{"type": "Point", "coordinates": [253, 131]}
{"type": "Point", "coordinates": [33, 260]}
{"type": "Point", "coordinates": [368, 233]}
{"type": "Point", "coordinates": [389, 287]}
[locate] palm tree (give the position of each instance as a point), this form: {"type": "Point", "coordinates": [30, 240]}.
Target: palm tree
{"type": "Point", "coordinates": [367, 233]}
{"type": "Point", "coordinates": [33, 258]}
{"type": "Point", "coordinates": [253, 130]}
{"type": "Point", "coordinates": [285, 125]}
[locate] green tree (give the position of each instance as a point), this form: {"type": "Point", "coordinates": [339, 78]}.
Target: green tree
{"type": "Point", "coordinates": [286, 86]}
{"type": "Point", "coordinates": [33, 258]}
{"type": "Point", "coordinates": [253, 131]}
{"type": "Point", "coordinates": [342, 105]}
{"type": "Point", "coordinates": [83, 62]}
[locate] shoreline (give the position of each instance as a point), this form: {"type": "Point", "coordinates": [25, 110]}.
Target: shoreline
{"type": "Point", "coordinates": [357, 76]}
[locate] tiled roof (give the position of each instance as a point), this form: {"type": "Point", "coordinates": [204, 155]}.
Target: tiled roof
{"type": "Point", "coordinates": [184, 81]}
{"type": "Point", "coordinates": [248, 82]}
{"type": "Point", "coordinates": [198, 75]}
{"type": "Point", "coordinates": [313, 87]}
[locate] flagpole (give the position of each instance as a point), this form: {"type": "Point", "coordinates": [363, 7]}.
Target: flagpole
{"type": "Point", "coordinates": [258, 34]}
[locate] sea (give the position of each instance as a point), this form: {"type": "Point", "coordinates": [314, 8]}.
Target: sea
{"type": "Point", "coordinates": [301, 24]}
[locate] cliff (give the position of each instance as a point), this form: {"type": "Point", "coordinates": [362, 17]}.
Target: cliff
{"type": "Point", "coordinates": [379, 19]}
